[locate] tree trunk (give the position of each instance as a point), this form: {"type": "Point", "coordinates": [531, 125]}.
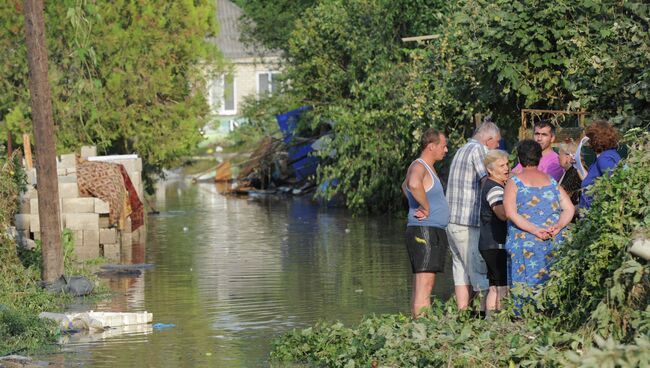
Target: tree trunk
{"type": "Point", "coordinates": [43, 123]}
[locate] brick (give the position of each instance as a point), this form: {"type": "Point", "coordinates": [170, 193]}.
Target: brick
{"type": "Point", "coordinates": [78, 205]}
{"type": "Point", "coordinates": [81, 221]}
{"type": "Point", "coordinates": [91, 238]}
{"type": "Point", "coordinates": [68, 190]}
{"type": "Point", "coordinates": [107, 236]}
{"type": "Point", "coordinates": [22, 221]}
{"type": "Point", "coordinates": [87, 151]}
{"type": "Point", "coordinates": [101, 207]}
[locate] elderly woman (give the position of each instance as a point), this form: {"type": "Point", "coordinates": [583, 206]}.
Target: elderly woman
{"type": "Point", "coordinates": [571, 180]}
{"type": "Point", "coordinates": [603, 139]}
{"type": "Point", "coordinates": [493, 228]}
{"type": "Point", "coordinates": [538, 209]}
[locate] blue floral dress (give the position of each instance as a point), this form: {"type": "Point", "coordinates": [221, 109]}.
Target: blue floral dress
{"type": "Point", "coordinates": [530, 256]}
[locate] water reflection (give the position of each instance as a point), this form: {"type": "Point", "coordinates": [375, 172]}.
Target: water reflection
{"type": "Point", "coordinates": [234, 273]}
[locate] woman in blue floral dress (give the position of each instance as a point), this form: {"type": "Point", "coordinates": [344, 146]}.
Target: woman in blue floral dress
{"type": "Point", "coordinates": [538, 210]}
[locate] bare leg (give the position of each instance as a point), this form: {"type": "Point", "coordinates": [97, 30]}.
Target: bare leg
{"type": "Point", "coordinates": [463, 295]}
{"type": "Point", "coordinates": [422, 286]}
{"type": "Point", "coordinates": [501, 291]}
{"type": "Point", "coordinates": [491, 300]}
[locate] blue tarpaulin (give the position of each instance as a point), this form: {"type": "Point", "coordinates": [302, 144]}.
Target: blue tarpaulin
{"type": "Point", "coordinates": [299, 151]}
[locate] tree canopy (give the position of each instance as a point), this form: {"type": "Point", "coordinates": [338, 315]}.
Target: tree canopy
{"type": "Point", "coordinates": [128, 76]}
{"type": "Point", "coordinates": [496, 57]}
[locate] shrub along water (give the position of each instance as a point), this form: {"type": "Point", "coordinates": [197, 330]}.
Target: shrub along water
{"type": "Point", "coordinates": [593, 312]}
{"type": "Point", "coordinates": [21, 299]}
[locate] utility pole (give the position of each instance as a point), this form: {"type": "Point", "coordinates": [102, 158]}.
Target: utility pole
{"type": "Point", "coordinates": [43, 123]}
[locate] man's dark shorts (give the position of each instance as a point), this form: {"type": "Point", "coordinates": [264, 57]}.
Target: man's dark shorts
{"type": "Point", "coordinates": [427, 248]}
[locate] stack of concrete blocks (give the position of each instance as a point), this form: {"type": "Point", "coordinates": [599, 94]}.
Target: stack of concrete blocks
{"type": "Point", "coordinates": [86, 217]}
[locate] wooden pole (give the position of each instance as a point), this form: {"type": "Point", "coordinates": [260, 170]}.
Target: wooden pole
{"type": "Point", "coordinates": [27, 148]}
{"type": "Point", "coordinates": [43, 123]}
{"type": "Point", "coordinates": [10, 145]}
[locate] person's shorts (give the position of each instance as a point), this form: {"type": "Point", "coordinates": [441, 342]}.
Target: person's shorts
{"type": "Point", "coordinates": [427, 248]}
{"type": "Point", "coordinates": [468, 265]}
{"type": "Point", "coordinates": [496, 261]}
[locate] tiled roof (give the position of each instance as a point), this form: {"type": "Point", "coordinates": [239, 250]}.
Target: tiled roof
{"type": "Point", "coordinates": [228, 15]}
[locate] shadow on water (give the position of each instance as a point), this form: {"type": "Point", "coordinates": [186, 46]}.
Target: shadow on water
{"type": "Point", "coordinates": [233, 273]}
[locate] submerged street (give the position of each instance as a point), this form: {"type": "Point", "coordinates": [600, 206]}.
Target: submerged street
{"type": "Point", "coordinates": [233, 273]}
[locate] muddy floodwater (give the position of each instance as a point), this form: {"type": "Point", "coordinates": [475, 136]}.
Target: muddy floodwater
{"type": "Point", "coordinates": [233, 273]}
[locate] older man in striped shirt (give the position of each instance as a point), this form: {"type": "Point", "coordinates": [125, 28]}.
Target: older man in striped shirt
{"type": "Point", "coordinates": [463, 195]}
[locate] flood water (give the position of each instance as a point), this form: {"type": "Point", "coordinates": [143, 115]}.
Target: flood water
{"type": "Point", "coordinates": [234, 273]}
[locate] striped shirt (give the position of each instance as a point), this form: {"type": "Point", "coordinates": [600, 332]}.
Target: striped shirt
{"type": "Point", "coordinates": [464, 184]}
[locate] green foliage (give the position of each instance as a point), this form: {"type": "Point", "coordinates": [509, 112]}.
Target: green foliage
{"type": "Point", "coordinates": [270, 23]}
{"type": "Point", "coordinates": [127, 76]}
{"type": "Point", "coordinates": [346, 59]}
{"type": "Point", "coordinates": [21, 330]}
{"type": "Point", "coordinates": [593, 312]}
{"type": "Point", "coordinates": [596, 281]}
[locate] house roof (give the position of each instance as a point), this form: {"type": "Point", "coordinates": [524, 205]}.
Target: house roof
{"type": "Point", "coordinates": [228, 39]}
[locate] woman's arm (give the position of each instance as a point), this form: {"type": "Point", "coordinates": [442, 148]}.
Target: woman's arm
{"type": "Point", "coordinates": [568, 210]}
{"type": "Point", "coordinates": [510, 206]}
{"type": "Point", "coordinates": [500, 212]}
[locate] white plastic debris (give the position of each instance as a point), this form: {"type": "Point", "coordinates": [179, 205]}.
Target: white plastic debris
{"type": "Point", "coordinates": [641, 248]}
{"type": "Point", "coordinates": [97, 321]}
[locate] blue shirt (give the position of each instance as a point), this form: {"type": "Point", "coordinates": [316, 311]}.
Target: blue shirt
{"type": "Point", "coordinates": [438, 207]}
{"type": "Point", "coordinates": [605, 163]}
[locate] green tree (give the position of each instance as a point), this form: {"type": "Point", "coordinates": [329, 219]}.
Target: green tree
{"type": "Point", "coordinates": [128, 76]}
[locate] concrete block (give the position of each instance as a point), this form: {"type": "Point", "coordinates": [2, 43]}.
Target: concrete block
{"type": "Point", "coordinates": [68, 190]}
{"type": "Point", "coordinates": [125, 238]}
{"type": "Point", "coordinates": [81, 221]}
{"type": "Point", "coordinates": [87, 151]}
{"type": "Point", "coordinates": [72, 170]}
{"type": "Point", "coordinates": [24, 206]}
{"type": "Point", "coordinates": [33, 206]}
{"type": "Point", "coordinates": [107, 236]}
{"type": "Point", "coordinates": [103, 222]}
{"type": "Point", "coordinates": [78, 238]}
{"type": "Point", "coordinates": [60, 172]}
{"type": "Point", "coordinates": [78, 205]}
{"type": "Point", "coordinates": [36, 235]}
{"type": "Point", "coordinates": [67, 178]}
{"type": "Point", "coordinates": [111, 251]}
{"type": "Point", "coordinates": [34, 223]}
{"type": "Point", "coordinates": [31, 176]}
{"type": "Point", "coordinates": [22, 221]}
{"type": "Point", "coordinates": [66, 161]}
{"type": "Point", "coordinates": [86, 253]}
{"type": "Point", "coordinates": [91, 238]}
{"type": "Point", "coordinates": [101, 207]}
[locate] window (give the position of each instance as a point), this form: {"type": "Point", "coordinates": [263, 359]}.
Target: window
{"type": "Point", "coordinates": [267, 82]}
{"type": "Point", "coordinates": [221, 95]}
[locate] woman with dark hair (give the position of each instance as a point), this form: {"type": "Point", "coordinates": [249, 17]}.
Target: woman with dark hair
{"type": "Point", "coordinates": [603, 139]}
{"type": "Point", "coordinates": [538, 210]}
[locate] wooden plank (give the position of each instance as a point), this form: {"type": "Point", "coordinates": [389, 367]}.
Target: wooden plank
{"type": "Point", "coordinates": [27, 148]}
{"type": "Point", "coordinates": [420, 38]}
